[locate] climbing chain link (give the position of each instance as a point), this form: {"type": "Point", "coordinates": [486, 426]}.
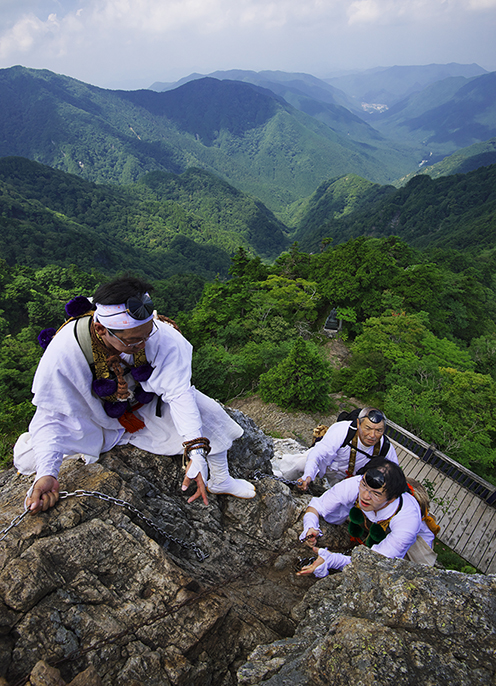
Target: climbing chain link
{"type": "Point", "coordinates": [15, 522]}
{"type": "Point", "coordinates": [149, 522]}
{"type": "Point", "coordinates": [258, 476]}
{"type": "Point", "coordinates": [80, 493]}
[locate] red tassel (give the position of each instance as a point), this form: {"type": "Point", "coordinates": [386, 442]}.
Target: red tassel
{"type": "Point", "coordinates": [131, 422]}
{"type": "Point", "coordinates": [356, 540]}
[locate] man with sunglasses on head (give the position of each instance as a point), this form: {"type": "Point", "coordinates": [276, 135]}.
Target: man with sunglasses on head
{"type": "Point", "coordinates": [120, 375]}
{"type": "Point", "coordinates": [382, 514]}
{"type": "Point", "coordinates": [347, 446]}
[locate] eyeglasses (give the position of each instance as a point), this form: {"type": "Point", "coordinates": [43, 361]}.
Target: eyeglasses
{"type": "Point", "coordinates": [135, 343]}
{"type": "Point", "coordinates": [373, 479]}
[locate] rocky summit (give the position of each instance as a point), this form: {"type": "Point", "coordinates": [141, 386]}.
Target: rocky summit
{"type": "Point", "coordinates": [115, 589]}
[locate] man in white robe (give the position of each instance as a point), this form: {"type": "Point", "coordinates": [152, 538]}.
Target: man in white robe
{"type": "Point", "coordinates": [379, 498]}
{"type": "Point", "coordinates": [330, 457]}
{"type": "Point", "coordinates": [71, 419]}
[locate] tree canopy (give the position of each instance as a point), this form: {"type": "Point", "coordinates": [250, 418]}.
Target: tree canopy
{"type": "Point", "coordinates": [421, 333]}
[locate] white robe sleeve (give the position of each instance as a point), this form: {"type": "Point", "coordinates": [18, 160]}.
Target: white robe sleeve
{"type": "Point", "coordinates": [323, 453]}
{"type": "Point", "coordinates": [170, 354]}
{"type": "Point", "coordinates": [404, 528]}
{"type": "Point", "coordinates": [69, 419]}
{"type": "Point", "coordinates": [335, 504]}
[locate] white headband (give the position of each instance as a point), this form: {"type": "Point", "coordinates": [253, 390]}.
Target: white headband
{"type": "Point", "coordinates": [117, 317]}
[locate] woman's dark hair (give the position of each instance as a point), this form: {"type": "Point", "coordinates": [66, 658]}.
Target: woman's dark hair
{"type": "Point", "coordinates": [395, 481]}
{"type": "Point", "coordinates": [119, 290]}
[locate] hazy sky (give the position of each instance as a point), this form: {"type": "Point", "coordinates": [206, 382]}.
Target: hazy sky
{"type": "Point", "coordinates": [132, 43]}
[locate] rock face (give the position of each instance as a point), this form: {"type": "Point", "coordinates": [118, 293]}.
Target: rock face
{"type": "Point", "coordinates": [386, 622]}
{"type": "Point", "coordinates": [93, 593]}
{"type": "Point", "coordinates": [89, 583]}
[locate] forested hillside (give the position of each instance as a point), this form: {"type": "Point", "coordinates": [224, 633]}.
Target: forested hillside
{"type": "Point", "coordinates": [443, 117]}
{"type": "Point", "coordinates": [460, 162]}
{"type": "Point", "coordinates": [247, 135]}
{"type": "Point", "coordinates": [52, 217]}
{"type": "Point", "coordinates": [422, 334]}
{"type": "Point", "coordinates": [421, 329]}
{"type": "Point", "coordinates": [457, 211]}
{"type": "Point", "coordinates": [168, 224]}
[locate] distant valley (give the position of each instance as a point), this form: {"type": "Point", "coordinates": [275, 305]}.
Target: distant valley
{"type": "Point", "coordinates": [175, 181]}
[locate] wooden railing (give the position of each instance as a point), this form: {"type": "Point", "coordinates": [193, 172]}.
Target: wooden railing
{"type": "Point", "coordinates": [429, 454]}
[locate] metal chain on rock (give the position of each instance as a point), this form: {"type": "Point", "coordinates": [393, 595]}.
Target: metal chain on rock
{"type": "Point", "coordinates": [15, 522]}
{"type": "Point", "coordinates": [121, 503]}
{"type": "Point", "coordinates": [258, 476]}
{"type": "Point", "coordinates": [149, 522]}
{"type": "Point", "coordinates": [174, 608]}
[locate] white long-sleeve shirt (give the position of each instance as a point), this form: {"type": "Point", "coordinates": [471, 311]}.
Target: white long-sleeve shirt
{"type": "Point", "coordinates": [335, 505]}
{"type": "Point", "coordinates": [328, 453]}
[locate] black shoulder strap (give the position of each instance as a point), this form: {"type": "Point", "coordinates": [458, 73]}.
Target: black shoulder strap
{"type": "Point", "coordinates": [386, 444]}
{"type": "Point", "coordinates": [353, 428]}
{"type": "Point", "coordinates": [388, 529]}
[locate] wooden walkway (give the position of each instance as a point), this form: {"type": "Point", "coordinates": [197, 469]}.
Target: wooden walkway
{"type": "Point", "coordinates": [467, 521]}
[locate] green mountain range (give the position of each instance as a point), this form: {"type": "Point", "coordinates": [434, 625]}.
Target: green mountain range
{"type": "Point", "coordinates": [164, 224]}
{"type": "Point", "coordinates": [460, 162]}
{"type": "Point", "coordinates": [409, 105]}
{"type": "Point", "coordinates": [177, 181]}
{"type": "Point", "coordinates": [456, 211]}
{"type": "Point", "coordinates": [389, 85]}
{"type": "Point", "coordinates": [444, 117]}
{"type": "Point", "coordinates": [273, 135]}
{"type": "Point", "coordinates": [249, 136]}
{"type": "Point", "coordinates": [193, 223]}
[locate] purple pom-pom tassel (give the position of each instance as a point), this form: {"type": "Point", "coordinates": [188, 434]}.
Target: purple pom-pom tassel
{"type": "Point", "coordinates": [45, 336]}
{"type": "Point", "coordinates": [114, 410]}
{"type": "Point", "coordinates": [78, 306]}
{"type": "Point", "coordinates": [142, 373]}
{"type": "Point", "coordinates": [142, 396]}
{"type": "Point", "coordinates": [104, 387]}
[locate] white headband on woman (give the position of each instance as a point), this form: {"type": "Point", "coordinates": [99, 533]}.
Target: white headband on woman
{"type": "Point", "coordinates": [117, 317]}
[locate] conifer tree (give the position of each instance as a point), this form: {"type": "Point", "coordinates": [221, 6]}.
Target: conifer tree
{"type": "Point", "coordinates": [300, 381]}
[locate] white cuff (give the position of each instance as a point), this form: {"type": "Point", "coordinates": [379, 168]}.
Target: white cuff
{"type": "Point", "coordinates": [310, 521]}
{"type": "Point", "coordinates": [332, 560]}
{"type": "Point", "coordinates": [321, 571]}
{"type": "Point", "coordinates": [198, 465]}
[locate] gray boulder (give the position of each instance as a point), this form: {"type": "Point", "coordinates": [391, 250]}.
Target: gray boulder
{"type": "Point", "coordinates": [94, 582]}
{"type": "Point", "coordinates": [386, 622]}
{"type": "Point", "coordinates": [111, 589]}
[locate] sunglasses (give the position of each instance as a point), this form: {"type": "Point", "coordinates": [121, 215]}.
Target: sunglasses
{"type": "Point", "coordinates": [139, 308]}
{"type": "Point", "coordinates": [376, 416]}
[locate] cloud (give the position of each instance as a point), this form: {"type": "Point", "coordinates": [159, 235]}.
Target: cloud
{"type": "Point", "coordinates": [24, 34]}
{"type": "Point", "coordinates": [110, 39]}
{"type": "Point", "coordinates": [394, 11]}
{"type": "Point", "coordinates": [91, 20]}
{"type": "Point", "coordinates": [482, 4]}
